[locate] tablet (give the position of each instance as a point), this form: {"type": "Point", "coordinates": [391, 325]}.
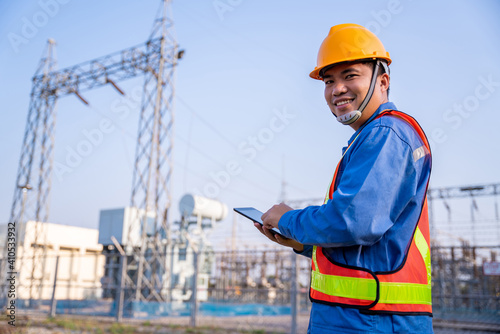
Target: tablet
{"type": "Point", "coordinates": [254, 215]}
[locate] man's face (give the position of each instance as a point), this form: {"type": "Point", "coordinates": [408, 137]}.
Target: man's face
{"type": "Point", "coordinates": [346, 85]}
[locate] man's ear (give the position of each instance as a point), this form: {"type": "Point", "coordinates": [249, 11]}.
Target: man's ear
{"type": "Point", "coordinates": [385, 81]}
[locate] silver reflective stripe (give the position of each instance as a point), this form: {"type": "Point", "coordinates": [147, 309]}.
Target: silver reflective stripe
{"type": "Point", "coordinates": [419, 153]}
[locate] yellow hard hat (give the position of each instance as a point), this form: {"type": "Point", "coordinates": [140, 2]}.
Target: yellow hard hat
{"type": "Point", "coordinates": [348, 42]}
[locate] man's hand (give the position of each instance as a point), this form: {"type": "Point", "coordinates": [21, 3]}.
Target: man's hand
{"type": "Point", "coordinates": [272, 217]}
{"type": "Point", "coordinates": [280, 240]}
{"type": "Point", "coordinates": [270, 220]}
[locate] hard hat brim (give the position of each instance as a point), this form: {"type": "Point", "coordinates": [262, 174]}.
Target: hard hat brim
{"type": "Point", "coordinates": [316, 73]}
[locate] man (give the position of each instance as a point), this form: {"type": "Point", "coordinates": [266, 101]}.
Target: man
{"type": "Point", "coordinates": [369, 241]}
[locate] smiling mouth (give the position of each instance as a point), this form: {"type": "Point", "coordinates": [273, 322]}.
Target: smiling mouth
{"type": "Point", "coordinates": [343, 102]}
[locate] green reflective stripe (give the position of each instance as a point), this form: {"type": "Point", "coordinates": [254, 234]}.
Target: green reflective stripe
{"type": "Point", "coordinates": [347, 287]}
{"type": "Point", "coordinates": [363, 288]}
{"type": "Point", "coordinates": [405, 293]}
{"type": "Point", "coordinates": [314, 259]}
{"type": "Point", "coordinates": [423, 249]}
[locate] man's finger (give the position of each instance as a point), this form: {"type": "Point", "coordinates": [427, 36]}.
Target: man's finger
{"type": "Point", "coordinates": [269, 234]}
{"type": "Point", "coordinates": [259, 227]}
{"type": "Point", "coordinates": [264, 216]}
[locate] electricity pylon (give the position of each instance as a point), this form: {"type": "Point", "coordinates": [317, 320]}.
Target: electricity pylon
{"type": "Point", "coordinates": [156, 61]}
{"type": "Point", "coordinates": [153, 166]}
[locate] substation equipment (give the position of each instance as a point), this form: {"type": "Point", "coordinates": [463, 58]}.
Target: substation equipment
{"type": "Point", "coordinates": [188, 253]}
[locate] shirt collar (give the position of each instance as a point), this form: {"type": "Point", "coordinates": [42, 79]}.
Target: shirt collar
{"type": "Point", "coordinates": [383, 106]}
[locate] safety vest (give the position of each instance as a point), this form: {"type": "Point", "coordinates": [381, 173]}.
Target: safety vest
{"type": "Point", "coordinates": [406, 290]}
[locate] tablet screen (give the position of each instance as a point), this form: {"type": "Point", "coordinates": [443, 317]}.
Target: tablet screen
{"type": "Point", "coordinates": [254, 214]}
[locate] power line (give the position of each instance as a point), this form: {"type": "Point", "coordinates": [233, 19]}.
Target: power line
{"type": "Point", "coordinates": [194, 147]}
{"type": "Point", "coordinates": [233, 145]}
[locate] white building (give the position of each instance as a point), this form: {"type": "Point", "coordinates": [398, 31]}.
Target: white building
{"type": "Point", "coordinates": [80, 267]}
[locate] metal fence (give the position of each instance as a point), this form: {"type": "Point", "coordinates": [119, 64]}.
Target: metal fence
{"type": "Point", "coordinates": [462, 290]}
{"type": "Point", "coordinates": [250, 290]}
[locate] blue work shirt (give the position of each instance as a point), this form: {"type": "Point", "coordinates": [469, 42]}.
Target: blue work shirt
{"type": "Point", "coordinates": [369, 222]}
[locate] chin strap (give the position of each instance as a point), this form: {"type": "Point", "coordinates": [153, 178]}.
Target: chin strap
{"type": "Point", "coordinates": [354, 115]}
{"type": "Point", "coordinates": [350, 117]}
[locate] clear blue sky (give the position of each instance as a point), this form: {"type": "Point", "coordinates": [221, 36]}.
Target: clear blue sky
{"type": "Point", "coordinates": [244, 62]}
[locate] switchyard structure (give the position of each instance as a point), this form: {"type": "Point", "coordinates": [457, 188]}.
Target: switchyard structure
{"type": "Point", "coordinates": [156, 61]}
{"type": "Point", "coordinates": [479, 229]}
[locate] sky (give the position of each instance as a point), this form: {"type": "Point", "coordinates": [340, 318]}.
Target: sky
{"type": "Point", "coordinates": [244, 103]}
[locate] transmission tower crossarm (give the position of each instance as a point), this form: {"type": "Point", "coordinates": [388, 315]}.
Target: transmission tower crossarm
{"type": "Point", "coordinates": [492, 189]}
{"type": "Point", "coordinates": [109, 69]}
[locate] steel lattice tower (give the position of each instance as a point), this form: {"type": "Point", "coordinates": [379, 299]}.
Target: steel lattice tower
{"type": "Point", "coordinates": [153, 164]}
{"type": "Point", "coordinates": [156, 61]}
{"type": "Point", "coordinates": [35, 164]}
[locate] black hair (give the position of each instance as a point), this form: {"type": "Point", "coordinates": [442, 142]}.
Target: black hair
{"type": "Point", "coordinates": [381, 70]}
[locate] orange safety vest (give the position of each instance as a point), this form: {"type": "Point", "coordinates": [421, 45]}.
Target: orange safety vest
{"type": "Point", "coordinates": [406, 290]}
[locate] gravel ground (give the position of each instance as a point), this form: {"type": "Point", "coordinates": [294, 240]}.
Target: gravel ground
{"type": "Point", "coordinates": [38, 324]}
